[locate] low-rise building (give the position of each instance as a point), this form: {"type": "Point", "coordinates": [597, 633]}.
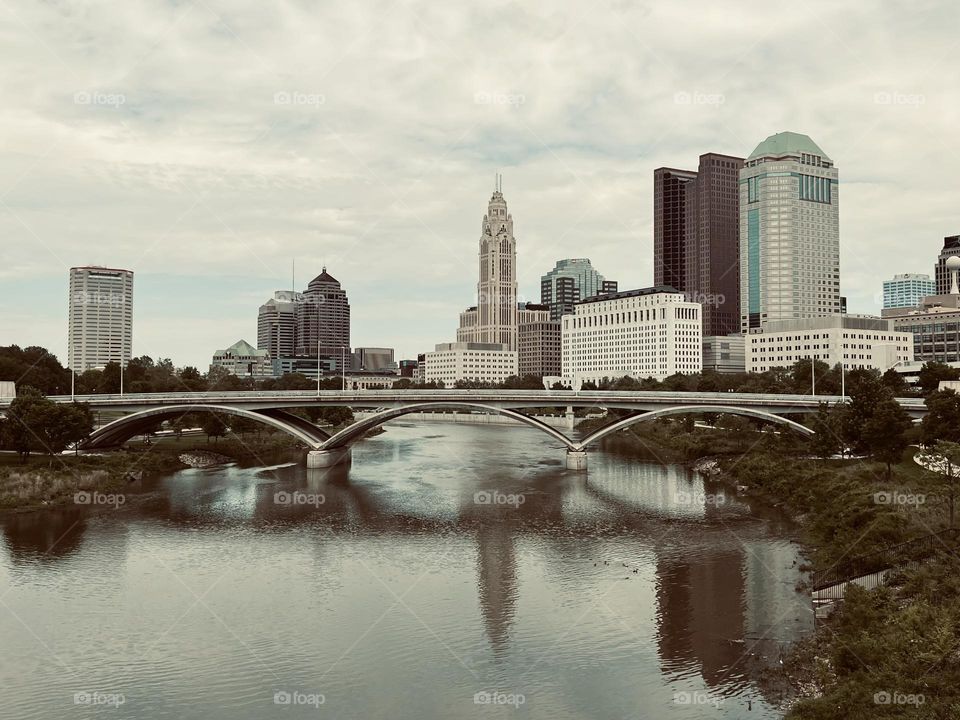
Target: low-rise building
{"type": "Point", "coordinates": [481, 362]}
{"type": "Point", "coordinates": [651, 332]}
{"type": "Point", "coordinates": [538, 341]}
{"type": "Point", "coordinates": [856, 341]}
{"type": "Point", "coordinates": [244, 360]}
{"type": "Point", "coordinates": [724, 353]}
{"type": "Point", "coordinates": [935, 326]}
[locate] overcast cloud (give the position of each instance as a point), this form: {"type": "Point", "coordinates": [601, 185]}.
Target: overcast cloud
{"type": "Point", "coordinates": [206, 144]}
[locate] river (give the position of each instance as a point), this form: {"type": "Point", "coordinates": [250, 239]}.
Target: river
{"type": "Point", "coordinates": [453, 571]}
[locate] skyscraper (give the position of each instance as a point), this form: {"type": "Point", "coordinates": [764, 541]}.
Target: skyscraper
{"type": "Point", "coordinates": [494, 318]}
{"type": "Point", "coordinates": [323, 318]}
{"type": "Point", "coordinates": [277, 324]}
{"type": "Point", "coordinates": [570, 281]}
{"type": "Point", "coordinates": [669, 226]}
{"type": "Point", "coordinates": [789, 232]}
{"type": "Point", "coordinates": [907, 290]}
{"type": "Point", "coordinates": [100, 323]}
{"type": "Point", "coordinates": [711, 239]}
{"type": "Point", "coordinates": [951, 247]}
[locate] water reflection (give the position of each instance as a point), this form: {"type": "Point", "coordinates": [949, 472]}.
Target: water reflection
{"type": "Point", "coordinates": [603, 595]}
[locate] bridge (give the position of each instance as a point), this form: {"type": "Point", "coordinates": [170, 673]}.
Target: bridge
{"type": "Point", "coordinates": [147, 410]}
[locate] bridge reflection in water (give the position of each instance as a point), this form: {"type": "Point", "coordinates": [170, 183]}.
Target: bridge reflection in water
{"type": "Point", "coordinates": [711, 580]}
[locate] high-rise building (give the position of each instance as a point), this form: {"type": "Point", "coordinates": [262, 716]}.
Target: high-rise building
{"type": "Point", "coordinates": [653, 332]}
{"type": "Point", "coordinates": [277, 324]}
{"type": "Point", "coordinates": [712, 248]}
{"type": "Point", "coordinates": [669, 226]}
{"type": "Point", "coordinates": [951, 247]}
{"type": "Point", "coordinates": [243, 360]}
{"type": "Point", "coordinates": [570, 281]}
{"type": "Point", "coordinates": [789, 232]}
{"type": "Point", "coordinates": [907, 290]}
{"type": "Point", "coordinates": [323, 318]}
{"type": "Point", "coordinates": [494, 318]}
{"type": "Point", "coordinates": [100, 323]}
{"type": "Point", "coordinates": [538, 340]}
{"type": "Point", "coordinates": [373, 359]}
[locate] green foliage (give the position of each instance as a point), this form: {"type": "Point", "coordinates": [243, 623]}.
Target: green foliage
{"type": "Point", "coordinates": [37, 424]}
{"type": "Point", "coordinates": [931, 373]}
{"type": "Point", "coordinates": [942, 421]}
{"type": "Point", "coordinates": [213, 425]}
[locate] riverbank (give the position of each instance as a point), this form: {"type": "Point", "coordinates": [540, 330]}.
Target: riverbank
{"type": "Point", "coordinates": [889, 652]}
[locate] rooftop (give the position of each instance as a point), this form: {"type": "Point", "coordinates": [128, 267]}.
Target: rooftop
{"type": "Point", "coordinates": [655, 290]}
{"type": "Point", "coordinates": [787, 143]}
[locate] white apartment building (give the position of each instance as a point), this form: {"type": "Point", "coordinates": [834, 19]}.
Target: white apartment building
{"type": "Point", "coordinates": [857, 341]}
{"type": "Point", "coordinates": [651, 332]}
{"type": "Point", "coordinates": [483, 362]}
{"type": "Point", "coordinates": [100, 324]}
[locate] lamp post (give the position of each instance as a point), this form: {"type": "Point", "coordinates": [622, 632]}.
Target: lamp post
{"type": "Point", "coordinates": [343, 368]}
{"type": "Point", "coordinates": [318, 367]}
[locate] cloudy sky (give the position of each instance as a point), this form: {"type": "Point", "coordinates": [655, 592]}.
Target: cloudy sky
{"type": "Point", "coordinates": [206, 144]}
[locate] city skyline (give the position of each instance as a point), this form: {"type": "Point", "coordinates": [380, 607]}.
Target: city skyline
{"type": "Point", "coordinates": [206, 184]}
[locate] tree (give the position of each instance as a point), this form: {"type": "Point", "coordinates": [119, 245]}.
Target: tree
{"type": "Point", "coordinates": [931, 373]}
{"type": "Point", "coordinates": [213, 425]}
{"type": "Point", "coordinates": [884, 433]}
{"type": "Point", "coordinates": [826, 426]}
{"type": "Point", "coordinates": [942, 421]}
{"type": "Point", "coordinates": [37, 424]}
{"type": "Point", "coordinates": [943, 460]}
{"type": "Point", "coordinates": [894, 380]}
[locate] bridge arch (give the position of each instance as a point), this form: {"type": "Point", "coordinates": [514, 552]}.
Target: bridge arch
{"type": "Point", "coordinates": [122, 429]}
{"type": "Point", "coordinates": [354, 432]}
{"type": "Point", "coordinates": [626, 422]}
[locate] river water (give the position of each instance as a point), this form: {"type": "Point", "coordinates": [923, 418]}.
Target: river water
{"type": "Point", "coordinates": [453, 571]}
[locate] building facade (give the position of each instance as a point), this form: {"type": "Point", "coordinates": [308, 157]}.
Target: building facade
{"type": "Point", "coordinates": [373, 359]}
{"type": "Point", "coordinates": [789, 232]}
{"type": "Point", "coordinates": [935, 326]}
{"type": "Point", "coordinates": [856, 341]}
{"type": "Point", "coordinates": [277, 323]}
{"type": "Point", "coordinates": [323, 318]}
{"type": "Point", "coordinates": [724, 353]}
{"type": "Point", "coordinates": [907, 290]}
{"type": "Point", "coordinates": [480, 362]}
{"type": "Point", "coordinates": [243, 360]}
{"type": "Point", "coordinates": [494, 318]}
{"type": "Point", "coordinates": [951, 248]}
{"type": "Point", "coordinates": [669, 226]}
{"type": "Point", "coordinates": [100, 317]}
{"type": "Point", "coordinates": [538, 341]}
{"type": "Point", "coordinates": [570, 281]}
{"type": "Point", "coordinates": [653, 332]}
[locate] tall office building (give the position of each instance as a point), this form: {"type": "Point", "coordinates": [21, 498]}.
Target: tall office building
{"type": "Point", "coordinates": [494, 318]}
{"type": "Point", "coordinates": [712, 247]}
{"type": "Point", "coordinates": [907, 290]}
{"type": "Point", "coordinates": [570, 281]}
{"type": "Point", "coordinates": [323, 318]}
{"type": "Point", "coordinates": [951, 247]}
{"type": "Point", "coordinates": [789, 232]}
{"type": "Point", "coordinates": [277, 324]}
{"type": "Point", "coordinates": [669, 226]}
{"type": "Point", "coordinates": [538, 340]}
{"type": "Point", "coordinates": [100, 324]}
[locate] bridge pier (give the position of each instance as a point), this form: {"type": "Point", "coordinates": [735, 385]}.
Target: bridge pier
{"type": "Point", "coordinates": [327, 458]}
{"type": "Point", "coordinates": [576, 459]}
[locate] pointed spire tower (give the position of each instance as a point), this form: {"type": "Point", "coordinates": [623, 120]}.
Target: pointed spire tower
{"type": "Point", "coordinates": [494, 319]}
